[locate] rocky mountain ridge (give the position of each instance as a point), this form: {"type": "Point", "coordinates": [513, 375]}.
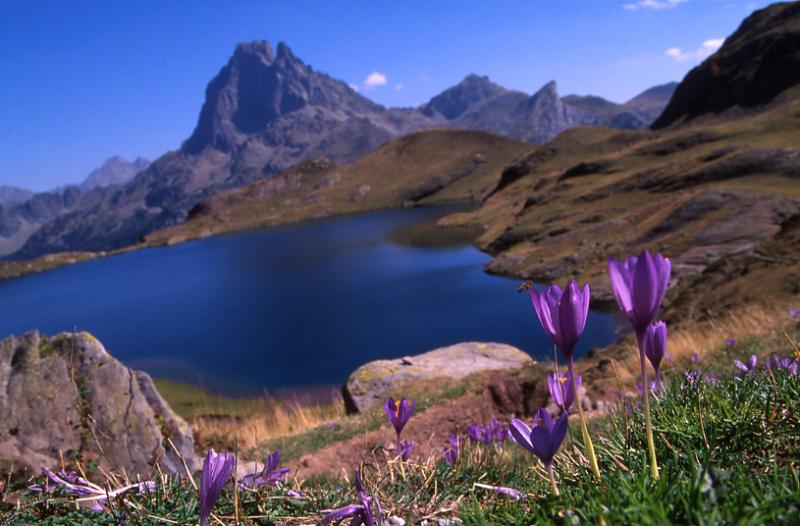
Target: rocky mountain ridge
{"type": "Point", "coordinates": [22, 216]}
{"type": "Point", "coordinates": [267, 110]}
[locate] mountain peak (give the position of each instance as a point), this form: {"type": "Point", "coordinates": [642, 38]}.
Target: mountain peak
{"type": "Point", "coordinates": [116, 170]}
{"type": "Point", "coordinates": [285, 52]}
{"type": "Point", "coordinates": [549, 89]}
{"type": "Point", "coordinates": [471, 92]}
{"type": "Point", "coordinates": [755, 64]}
{"type": "Point", "coordinates": [258, 49]}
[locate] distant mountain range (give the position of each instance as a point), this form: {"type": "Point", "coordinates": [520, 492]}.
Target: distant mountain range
{"type": "Point", "coordinates": [23, 212]}
{"type": "Point", "coordinates": [114, 171]}
{"type": "Point", "coordinates": [266, 110]}
{"type": "Point", "coordinates": [10, 195]}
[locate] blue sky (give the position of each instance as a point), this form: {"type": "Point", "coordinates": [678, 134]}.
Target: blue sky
{"type": "Point", "coordinates": [81, 81]}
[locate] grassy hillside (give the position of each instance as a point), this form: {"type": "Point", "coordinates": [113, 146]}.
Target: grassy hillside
{"type": "Point", "coordinates": [430, 167]}
{"type": "Point", "coordinates": [720, 197]}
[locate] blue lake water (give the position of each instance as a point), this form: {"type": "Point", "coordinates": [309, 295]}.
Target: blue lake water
{"type": "Point", "coordinates": [302, 305]}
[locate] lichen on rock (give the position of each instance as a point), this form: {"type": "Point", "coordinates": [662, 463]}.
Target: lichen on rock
{"type": "Point", "coordinates": [66, 396]}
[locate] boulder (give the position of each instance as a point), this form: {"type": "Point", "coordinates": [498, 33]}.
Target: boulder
{"type": "Point", "coordinates": [372, 383]}
{"type": "Point", "coordinates": [67, 397]}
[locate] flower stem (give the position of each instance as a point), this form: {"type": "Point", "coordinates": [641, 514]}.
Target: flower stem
{"type": "Point", "coordinates": [648, 428]}
{"type": "Point", "coordinates": [587, 440]}
{"type": "Point", "coordinates": [552, 479]}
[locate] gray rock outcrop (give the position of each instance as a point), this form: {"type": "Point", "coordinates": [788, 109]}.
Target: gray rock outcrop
{"type": "Point", "coordinates": [67, 396]}
{"type": "Point", "coordinates": [375, 381]}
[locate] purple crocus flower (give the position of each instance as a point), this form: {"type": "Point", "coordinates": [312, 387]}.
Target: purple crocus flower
{"type": "Point", "coordinates": [360, 513]}
{"type": "Point", "coordinates": [399, 412]}
{"type": "Point", "coordinates": [543, 440]}
{"type": "Point", "coordinates": [475, 433]}
{"type": "Point", "coordinates": [511, 493]}
{"type": "Point", "coordinates": [562, 313]}
{"type": "Point", "coordinates": [561, 391]}
{"type": "Point", "coordinates": [748, 367]}
{"type": "Point", "coordinates": [217, 469]}
{"type": "Point", "coordinates": [655, 347]}
{"type": "Point", "coordinates": [639, 285]}
{"type": "Point", "coordinates": [794, 313]}
{"type": "Point", "coordinates": [788, 364]}
{"type": "Point", "coordinates": [89, 492]}
{"type": "Point", "coordinates": [487, 434]}
{"type": "Point", "coordinates": [452, 453]}
{"type": "Point", "coordinates": [497, 431]}
{"type": "Point", "coordinates": [730, 342]}
{"type": "Point", "coordinates": [269, 476]}
{"type": "Point", "coordinates": [406, 449]}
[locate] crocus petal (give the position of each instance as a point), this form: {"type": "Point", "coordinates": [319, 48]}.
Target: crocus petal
{"type": "Point", "coordinates": [644, 291]}
{"type": "Point", "coordinates": [620, 284]}
{"type": "Point", "coordinates": [585, 300]}
{"type": "Point", "coordinates": [751, 363]}
{"type": "Point", "coordinates": [543, 312]}
{"type": "Point", "coordinates": [570, 312]}
{"type": "Point", "coordinates": [740, 365]}
{"type": "Point", "coordinates": [512, 493]}
{"type": "Point", "coordinates": [558, 433]}
{"type": "Point", "coordinates": [521, 433]}
{"type": "Point", "coordinates": [342, 513]}
{"type": "Point", "coordinates": [542, 418]}
{"type": "Point", "coordinates": [272, 461]}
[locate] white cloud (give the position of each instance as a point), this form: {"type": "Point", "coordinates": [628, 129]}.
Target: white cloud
{"type": "Point", "coordinates": [375, 79]}
{"type": "Point", "coordinates": [353, 87]}
{"type": "Point", "coordinates": [653, 4]}
{"type": "Point", "coordinates": [398, 87]}
{"type": "Point", "coordinates": [706, 49]}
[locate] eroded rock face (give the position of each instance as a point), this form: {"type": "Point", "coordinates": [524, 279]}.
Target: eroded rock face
{"type": "Point", "coordinates": [66, 395]}
{"type": "Point", "coordinates": [373, 382]}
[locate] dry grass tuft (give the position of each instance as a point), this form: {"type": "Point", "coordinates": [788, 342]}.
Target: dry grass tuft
{"type": "Point", "coordinates": [277, 418]}
{"type": "Point", "coordinates": [704, 338]}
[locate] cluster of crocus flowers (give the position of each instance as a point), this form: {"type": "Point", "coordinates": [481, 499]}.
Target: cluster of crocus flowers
{"type": "Point", "coordinates": [495, 431]}
{"type": "Point", "coordinates": [88, 492]}
{"type": "Point", "coordinates": [359, 513]}
{"type": "Point", "coordinates": [563, 316]}
{"type": "Point", "coordinates": [747, 367]}
{"type": "Point", "coordinates": [271, 475]}
{"type": "Point", "coordinates": [542, 439]}
{"type": "Point", "coordinates": [788, 364]}
{"type": "Point", "coordinates": [453, 451]}
{"type": "Point", "coordinates": [639, 285]}
{"type": "Point", "coordinates": [561, 391]}
{"type": "Point", "coordinates": [399, 412]}
{"type": "Point", "coordinates": [217, 469]}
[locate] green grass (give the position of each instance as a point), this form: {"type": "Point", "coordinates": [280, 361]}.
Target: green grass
{"type": "Point", "coordinates": [728, 455]}
{"type": "Point", "coordinates": [190, 401]}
